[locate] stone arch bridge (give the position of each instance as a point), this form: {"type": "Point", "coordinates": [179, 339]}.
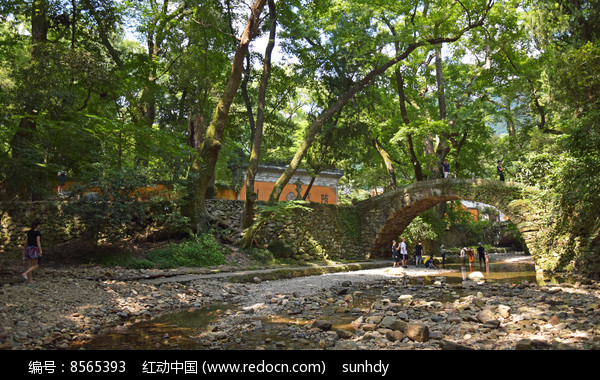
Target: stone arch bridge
{"type": "Point", "coordinates": [384, 217]}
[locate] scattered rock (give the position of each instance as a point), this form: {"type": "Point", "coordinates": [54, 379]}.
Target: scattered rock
{"type": "Point", "coordinates": [453, 346]}
{"type": "Point", "coordinates": [405, 299]}
{"type": "Point", "coordinates": [321, 324]}
{"type": "Point", "coordinates": [394, 335]}
{"type": "Point", "coordinates": [485, 316]}
{"type": "Point", "coordinates": [476, 276]}
{"type": "Point", "coordinates": [417, 332]}
{"type": "Point", "coordinates": [523, 344]}
{"type": "Point", "coordinates": [344, 334]}
{"type": "Point", "coordinates": [504, 311]}
{"type": "Point", "coordinates": [387, 322]}
{"type": "Point", "coordinates": [555, 320]}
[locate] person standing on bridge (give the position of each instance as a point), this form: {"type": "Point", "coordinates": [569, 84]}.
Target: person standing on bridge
{"type": "Point", "coordinates": [500, 170]}
{"type": "Point", "coordinates": [446, 167]}
{"type": "Point", "coordinates": [403, 252]}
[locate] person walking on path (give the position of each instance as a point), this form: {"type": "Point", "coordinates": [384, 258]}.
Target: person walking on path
{"type": "Point", "coordinates": [403, 252]}
{"type": "Point", "coordinates": [418, 255]}
{"type": "Point", "coordinates": [395, 254]}
{"type": "Point", "coordinates": [33, 250]}
{"type": "Point", "coordinates": [500, 170]}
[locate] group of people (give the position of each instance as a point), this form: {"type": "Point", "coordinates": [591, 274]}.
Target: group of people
{"type": "Point", "coordinates": [468, 254]}
{"type": "Point", "coordinates": [400, 255]}
{"type": "Point", "coordinates": [446, 169]}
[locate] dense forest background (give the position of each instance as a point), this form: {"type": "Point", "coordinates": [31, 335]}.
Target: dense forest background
{"type": "Point", "coordinates": [187, 92]}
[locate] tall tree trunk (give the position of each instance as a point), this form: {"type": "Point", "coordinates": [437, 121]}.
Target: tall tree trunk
{"type": "Point", "coordinates": [417, 169]}
{"type": "Point", "coordinates": [196, 130]}
{"type": "Point", "coordinates": [25, 177]}
{"type": "Point", "coordinates": [441, 84]}
{"type": "Point", "coordinates": [205, 161]}
{"type": "Point", "coordinates": [409, 140]}
{"type": "Point", "coordinates": [147, 107]}
{"type": "Point", "coordinates": [319, 164]}
{"type": "Point", "coordinates": [309, 187]}
{"type": "Point", "coordinates": [385, 156]}
{"type": "Point", "coordinates": [246, 97]}
{"type": "Point", "coordinates": [442, 147]}
{"type": "Point", "coordinates": [248, 214]}
{"type": "Point", "coordinates": [457, 147]}
{"type": "Point", "coordinates": [428, 143]}
{"type": "Point", "coordinates": [510, 125]}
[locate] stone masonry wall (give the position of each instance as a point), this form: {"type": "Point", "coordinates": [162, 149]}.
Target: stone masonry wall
{"type": "Point", "coordinates": [16, 218]}
{"type": "Point", "coordinates": [60, 226]}
{"type": "Point", "coordinates": [326, 232]}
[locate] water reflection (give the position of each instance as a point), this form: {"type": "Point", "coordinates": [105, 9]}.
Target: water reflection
{"type": "Point", "coordinates": [171, 331]}
{"type": "Point", "coordinates": [501, 272]}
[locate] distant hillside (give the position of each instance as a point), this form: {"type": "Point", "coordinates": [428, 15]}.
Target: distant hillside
{"type": "Point", "coordinates": [499, 128]}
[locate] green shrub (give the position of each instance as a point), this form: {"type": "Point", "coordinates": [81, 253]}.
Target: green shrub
{"type": "Point", "coordinates": [201, 251]}
{"type": "Point", "coordinates": [281, 249]}
{"type": "Point", "coordinates": [263, 256]}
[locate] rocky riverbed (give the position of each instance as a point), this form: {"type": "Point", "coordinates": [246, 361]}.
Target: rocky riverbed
{"type": "Point", "coordinates": [371, 309]}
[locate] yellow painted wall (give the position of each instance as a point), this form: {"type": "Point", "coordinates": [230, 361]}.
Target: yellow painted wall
{"type": "Point", "coordinates": [264, 190]}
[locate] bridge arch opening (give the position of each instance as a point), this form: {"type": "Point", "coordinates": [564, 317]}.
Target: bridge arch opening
{"type": "Point", "coordinates": [392, 213]}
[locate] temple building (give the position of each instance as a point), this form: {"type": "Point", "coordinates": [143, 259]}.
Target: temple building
{"type": "Point", "coordinates": [323, 190]}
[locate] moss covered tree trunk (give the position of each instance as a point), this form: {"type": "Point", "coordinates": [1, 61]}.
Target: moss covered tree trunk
{"type": "Point", "coordinates": [24, 176]}
{"type": "Point", "coordinates": [248, 214]}
{"type": "Point", "coordinates": [205, 161]}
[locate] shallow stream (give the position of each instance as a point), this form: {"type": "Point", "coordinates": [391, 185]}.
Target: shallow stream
{"type": "Point", "coordinates": [184, 330]}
